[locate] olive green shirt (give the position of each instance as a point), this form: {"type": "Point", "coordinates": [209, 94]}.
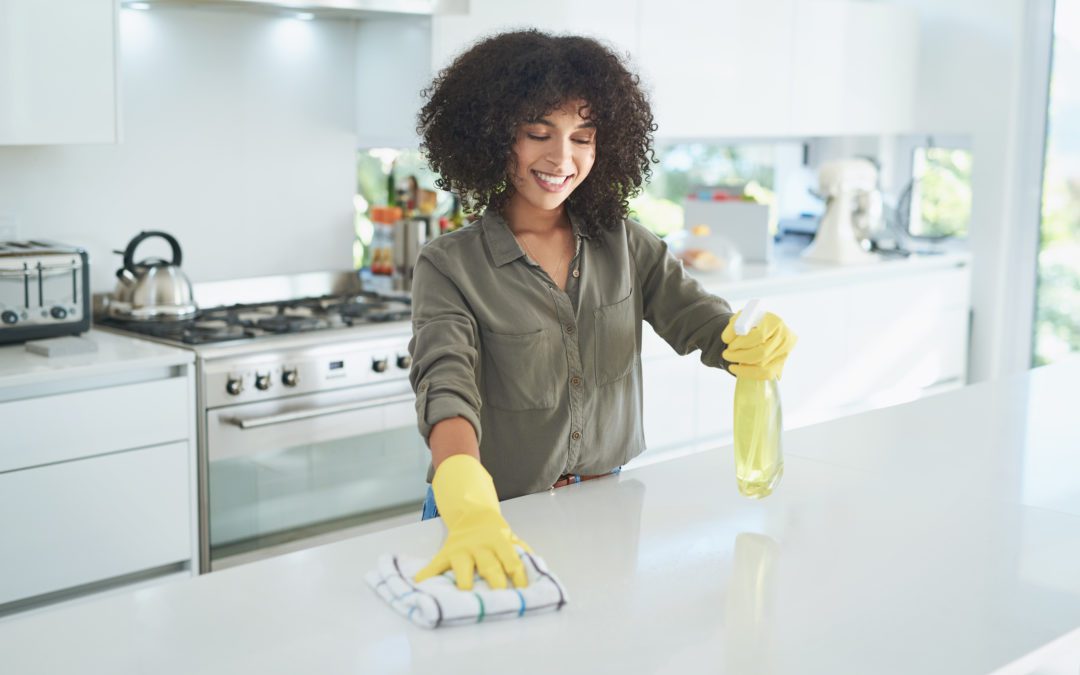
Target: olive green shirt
{"type": "Point", "coordinates": [550, 379]}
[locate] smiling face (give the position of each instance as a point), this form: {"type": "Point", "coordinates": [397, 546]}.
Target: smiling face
{"type": "Point", "coordinates": [554, 155]}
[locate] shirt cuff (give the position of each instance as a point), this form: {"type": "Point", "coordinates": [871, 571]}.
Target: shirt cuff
{"type": "Point", "coordinates": [430, 410]}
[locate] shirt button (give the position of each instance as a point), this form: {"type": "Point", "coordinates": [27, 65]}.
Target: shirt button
{"type": "Point", "coordinates": [576, 435]}
{"type": "Point", "coordinates": [576, 273]}
{"type": "Point", "coordinates": [575, 381]}
{"type": "Point", "coordinates": [569, 329]}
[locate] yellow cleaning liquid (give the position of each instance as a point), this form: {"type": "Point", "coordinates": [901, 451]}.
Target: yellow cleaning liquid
{"type": "Point", "coordinates": [759, 460]}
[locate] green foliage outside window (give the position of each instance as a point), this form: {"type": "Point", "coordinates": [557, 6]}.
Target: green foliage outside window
{"type": "Point", "coordinates": [944, 192]}
{"type": "Point", "coordinates": [1057, 306]}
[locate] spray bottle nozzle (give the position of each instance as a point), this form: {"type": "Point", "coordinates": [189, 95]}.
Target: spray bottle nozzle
{"type": "Point", "coordinates": [749, 317]}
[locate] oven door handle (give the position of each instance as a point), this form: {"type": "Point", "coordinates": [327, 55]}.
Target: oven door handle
{"type": "Point", "coordinates": [295, 415]}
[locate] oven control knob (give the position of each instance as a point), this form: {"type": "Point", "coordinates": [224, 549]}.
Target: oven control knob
{"type": "Point", "coordinates": [58, 312]}
{"type": "Point", "coordinates": [262, 382]}
{"type": "Point", "coordinates": [9, 317]}
{"type": "Point", "coordinates": [234, 386]}
{"type": "Point", "coordinates": [379, 365]}
{"type": "Point", "coordinates": [289, 378]}
{"type": "Point", "coordinates": [404, 362]}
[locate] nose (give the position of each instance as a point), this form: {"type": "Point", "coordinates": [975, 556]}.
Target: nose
{"type": "Point", "coordinates": [561, 155]}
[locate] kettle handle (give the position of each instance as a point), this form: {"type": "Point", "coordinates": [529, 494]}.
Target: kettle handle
{"type": "Point", "coordinates": [129, 252]}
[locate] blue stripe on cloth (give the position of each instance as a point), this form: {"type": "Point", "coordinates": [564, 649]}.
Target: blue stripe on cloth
{"type": "Point", "coordinates": [521, 612]}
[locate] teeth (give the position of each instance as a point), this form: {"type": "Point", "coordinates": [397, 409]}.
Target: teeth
{"type": "Point", "coordinates": [548, 178]}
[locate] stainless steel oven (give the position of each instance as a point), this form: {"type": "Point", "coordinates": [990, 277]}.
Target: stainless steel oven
{"type": "Point", "coordinates": [315, 439]}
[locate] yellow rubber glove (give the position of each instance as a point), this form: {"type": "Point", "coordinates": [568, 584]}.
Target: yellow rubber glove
{"type": "Point", "coordinates": [478, 537]}
{"type": "Point", "coordinates": [761, 353]}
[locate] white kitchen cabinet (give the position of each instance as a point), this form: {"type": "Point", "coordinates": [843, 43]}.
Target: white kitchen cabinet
{"type": "Point", "coordinates": [74, 523]}
{"type": "Point", "coordinates": [775, 68]}
{"type": "Point", "coordinates": [669, 401]}
{"type": "Point", "coordinates": [94, 421]}
{"type": "Point", "coordinates": [718, 69]}
{"type": "Point", "coordinates": [735, 68]}
{"type": "Point", "coordinates": [904, 336]}
{"type": "Point", "coordinates": [885, 339]}
{"type": "Point", "coordinates": [854, 68]}
{"type": "Point", "coordinates": [98, 483]}
{"type": "Point", "coordinates": [58, 71]}
{"type": "Point", "coordinates": [612, 21]}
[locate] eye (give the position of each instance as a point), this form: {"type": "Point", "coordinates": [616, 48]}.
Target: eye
{"type": "Point", "coordinates": [583, 141]}
{"type": "Point", "coordinates": [537, 138]}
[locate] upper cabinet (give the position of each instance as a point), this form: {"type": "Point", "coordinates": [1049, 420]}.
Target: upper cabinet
{"type": "Point", "coordinates": [718, 68]}
{"type": "Point", "coordinates": [771, 68]}
{"type": "Point", "coordinates": [736, 68]}
{"type": "Point", "coordinates": [58, 71]}
{"type": "Point", "coordinates": [612, 21]}
{"type": "Point", "coordinates": [854, 68]}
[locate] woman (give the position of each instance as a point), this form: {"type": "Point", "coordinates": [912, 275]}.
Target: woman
{"type": "Point", "coordinates": [527, 323]}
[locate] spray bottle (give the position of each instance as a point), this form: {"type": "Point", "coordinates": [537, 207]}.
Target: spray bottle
{"type": "Point", "coordinates": [759, 461]}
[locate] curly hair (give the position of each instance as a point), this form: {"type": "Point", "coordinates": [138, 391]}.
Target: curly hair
{"type": "Point", "coordinates": [475, 106]}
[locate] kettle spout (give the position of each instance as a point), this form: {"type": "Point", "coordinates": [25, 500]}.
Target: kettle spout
{"type": "Point", "coordinates": [126, 277]}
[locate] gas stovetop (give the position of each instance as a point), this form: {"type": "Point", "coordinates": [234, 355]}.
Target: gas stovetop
{"type": "Point", "coordinates": [246, 321]}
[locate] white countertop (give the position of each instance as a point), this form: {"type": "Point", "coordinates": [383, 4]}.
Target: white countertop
{"type": "Point", "coordinates": [941, 536]}
{"type": "Point", "coordinates": [788, 272]}
{"type": "Point", "coordinates": [115, 353]}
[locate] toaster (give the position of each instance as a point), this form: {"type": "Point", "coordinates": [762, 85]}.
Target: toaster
{"type": "Point", "coordinates": [44, 290]}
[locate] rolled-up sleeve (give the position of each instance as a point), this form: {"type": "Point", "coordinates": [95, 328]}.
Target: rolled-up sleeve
{"type": "Point", "coordinates": [676, 305]}
{"type": "Point", "coordinates": [443, 350]}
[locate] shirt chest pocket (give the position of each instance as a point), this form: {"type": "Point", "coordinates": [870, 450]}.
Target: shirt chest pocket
{"type": "Point", "coordinates": [614, 346]}
{"type": "Point", "coordinates": [520, 372]}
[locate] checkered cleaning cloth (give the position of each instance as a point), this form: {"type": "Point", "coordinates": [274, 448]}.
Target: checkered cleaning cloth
{"type": "Point", "coordinates": [437, 601]}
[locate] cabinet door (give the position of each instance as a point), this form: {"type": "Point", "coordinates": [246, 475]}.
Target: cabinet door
{"type": "Point", "coordinates": [74, 523]}
{"type": "Point", "coordinates": [718, 69]}
{"type": "Point", "coordinates": [612, 21]}
{"type": "Point", "coordinates": [669, 399]}
{"type": "Point", "coordinates": [908, 334]}
{"type": "Point", "coordinates": [57, 71]}
{"type": "Point", "coordinates": [854, 68]}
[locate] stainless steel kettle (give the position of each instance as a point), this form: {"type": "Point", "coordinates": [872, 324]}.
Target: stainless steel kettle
{"type": "Point", "coordinates": [152, 289]}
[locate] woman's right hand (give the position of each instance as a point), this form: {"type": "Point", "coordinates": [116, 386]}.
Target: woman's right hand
{"type": "Point", "coordinates": [478, 540]}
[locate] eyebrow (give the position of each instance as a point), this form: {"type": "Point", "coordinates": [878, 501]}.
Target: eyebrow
{"type": "Point", "coordinates": [548, 123]}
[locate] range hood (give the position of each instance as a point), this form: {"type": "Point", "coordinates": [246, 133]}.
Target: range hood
{"type": "Point", "coordinates": [327, 8]}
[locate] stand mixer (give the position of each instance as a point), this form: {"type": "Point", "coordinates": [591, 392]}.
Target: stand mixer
{"type": "Point", "coordinates": [852, 212]}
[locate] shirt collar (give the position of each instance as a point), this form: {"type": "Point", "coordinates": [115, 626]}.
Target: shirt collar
{"type": "Point", "coordinates": [502, 242]}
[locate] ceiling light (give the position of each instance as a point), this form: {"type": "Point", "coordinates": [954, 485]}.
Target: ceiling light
{"type": "Point", "coordinates": [138, 5]}
{"type": "Point", "coordinates": [305, 16]}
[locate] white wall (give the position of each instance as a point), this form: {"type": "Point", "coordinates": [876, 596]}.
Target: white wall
{"type": "Point", "coordinates": [238, 139]}
{"type": "Point", "coordinates": [978, 75]}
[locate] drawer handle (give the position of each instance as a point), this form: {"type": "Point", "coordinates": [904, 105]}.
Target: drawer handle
{"type": "Point", "coordinates": [297, 415]}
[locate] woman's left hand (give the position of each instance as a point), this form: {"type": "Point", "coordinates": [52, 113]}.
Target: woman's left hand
{"type": "Point", "coordinates": [761, 353]}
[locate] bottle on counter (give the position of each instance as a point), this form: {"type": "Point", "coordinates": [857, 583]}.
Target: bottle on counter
{"type": "Point", "coordinates": [457, 219]}
{"type": "Point", "coordinates": [391, 186]}
{"type": "Point", "coordinates": [759, 461]}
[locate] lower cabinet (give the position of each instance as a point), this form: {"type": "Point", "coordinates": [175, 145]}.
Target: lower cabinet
{"type": "Point", "coordinates": [861, 346]}
{"type": "Point", "coordinates": [79, 522]}
{"type": "Point", "coordinates": [97, 483]}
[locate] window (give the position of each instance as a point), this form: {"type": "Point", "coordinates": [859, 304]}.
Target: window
{"type": "Point", "coordinates": [940, 192]}
{"type": "Point", "coordinates": [1057, 300]}
{"type": "Point", "coordinates": [373, 176]}
{"type": "Point", "coordinates": [684, 167]}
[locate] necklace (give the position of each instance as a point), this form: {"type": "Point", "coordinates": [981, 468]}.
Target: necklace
{"type": "Point", "coordinates": [562, 258]}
